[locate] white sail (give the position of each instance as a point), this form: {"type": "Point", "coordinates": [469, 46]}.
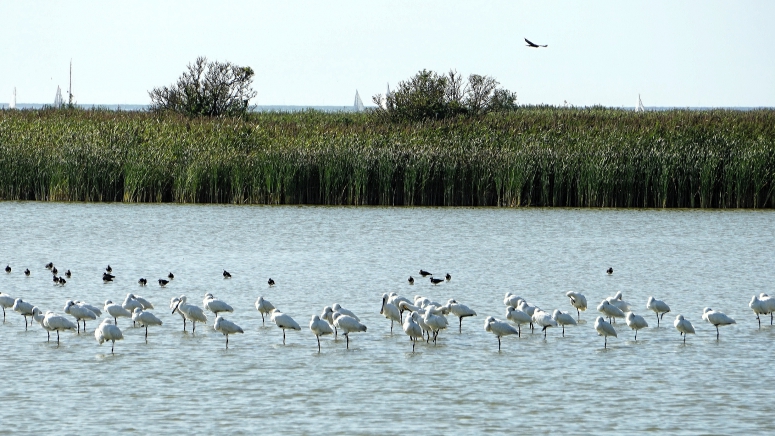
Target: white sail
{"type": "Point", "coordinates": [358, 105]}
{"type": "Point", "coordinates": [640, 107]}
{"type": "Point", "coordinates": [12, 104]}
{"type": "Point", "coordinates": [58, 102]}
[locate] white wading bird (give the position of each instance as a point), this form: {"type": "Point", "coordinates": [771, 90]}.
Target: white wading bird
{"type": "Point", "coordinates": [544, 320]}
{"type": "Point", "coordinates": [610, 310]}
{"type": "Point", "coordinates": [390, 311]}
{"type": "Point", "coordinates": [563, 319]}
{"type": "Point", "coordinates": [190, 312]}
{"type": "Point", "coordinates": [511, 300]}
{"type": "Point", "coordinates": [518, 317]}
{"type": "Point", "coordinates": [145, 319]}
{"type": "Point", "coordinates": [56, 323]}
{"type": "Point", "coordinates": [347, 325]}
{"type": "Point", "coordinates": [658, 307]}
{"type": "Point", "coordinates": [604, 329]}
{"type": "Point", "coordinates": [459, 310]}
{"type": "Point", "coordinates": [264, 307]}
{"type": "Point", "coordinates": [116, 311]}
{"type": "Point", "coordinates": [108, 332]}
{"type": "Point", "coordinates": [215, 305]}
{"type": "Point", "coordinates": [684, 326]}
{"type": "Point", "coordinates": [412, 329]}
{"type": "Point", "coordinates": [499, 328]}
{"type": "Point", "coordinates": [284, 322]}
{"type": "Point", "coordinates": [617, 301]}
{"type": "Point", "coordinates": [716, 318]}
{"type": "Point", "coordinates": [226, 327]}
{"type": "Point", "coordinates": [319, 328]}
{"type": "Point", "coordinates": [635, 322]}
{"type": "Point", "coordinates": [24, 309]}
{"type": "Point", "coordinates": [6, 301]}
{"type": "Point", "coordinates": [762, 305]}
{"type": "Point", "coordinates": [80, 313]}
{"type": "Point", "coordinates": [577, 300]}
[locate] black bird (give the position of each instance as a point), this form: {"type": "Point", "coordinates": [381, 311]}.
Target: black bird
{"type": "Point", "coordinates": [54, 270]}
{"type": "Point", "coordinates": [109, 269]}
{"type": "Point", "coordinates": [8, 269]}
{"type": "Point", "coordinates": [68, 274]}
{"type": "Point", "coordinates": [56, 279]}
{"type": "Point", "coordinates": [27, 272]}
{"type": "Point", "coordinates": [142, 281]}
{"type": "Point", "coordinates": [226, 274]}
{"type": "Point", "coordinates": [270, 282]}
{"type": "Point", "coordinates": [448, 277]}
{"type": "Point", "coordinates": [49, 265]}
{"type": "Point", "coordinates": [170, 276]}
{"type": "Point", "coordinates": [425, 273]}
{"type": "Point", "coordinates": [532, 45]}
{"type": "Point", "coordinates": [436, 281]}
{"type": "Point", "coordinates": [107, 277]}
{"type": "Point", "coordinates": [609, 271]}
{"type": "Point", "coordinates": [411, 280]}
{"type": "Point", "coordinates": [62, 281]}
{"type": "Point", "coordinates": [163, 282]}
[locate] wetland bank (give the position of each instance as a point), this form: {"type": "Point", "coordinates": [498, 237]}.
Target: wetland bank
{"type": "Point", "coordinates": [533, 156]}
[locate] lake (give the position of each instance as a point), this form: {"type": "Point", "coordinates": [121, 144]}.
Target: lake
{"type": "Point", "coordinates": [351, 255]}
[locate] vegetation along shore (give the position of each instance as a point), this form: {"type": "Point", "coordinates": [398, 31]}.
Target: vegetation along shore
{"type": "Point", "coordinates": [530, 156]}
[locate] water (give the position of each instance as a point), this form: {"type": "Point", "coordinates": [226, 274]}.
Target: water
{"type": "Point", "coordinates": [323, 255]}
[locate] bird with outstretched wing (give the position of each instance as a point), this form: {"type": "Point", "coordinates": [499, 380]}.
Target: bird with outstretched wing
{"type": "Point", "coordinates": [533, 45]}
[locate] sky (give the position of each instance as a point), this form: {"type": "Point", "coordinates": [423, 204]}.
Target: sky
{"type": "Point", "coordinates": [673, 53]}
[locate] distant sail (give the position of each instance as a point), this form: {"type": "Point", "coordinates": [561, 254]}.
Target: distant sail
{"type": "Point", "coordinates": [358, 105]}
{"type": "Point", "coordinates": [12, 104]}
{"type": "Point", "coordinates": [384, 99]}
{"type": "Point", "coordinates": [640, 107]}
{"type": "Point", "coordinates": [58, 102]}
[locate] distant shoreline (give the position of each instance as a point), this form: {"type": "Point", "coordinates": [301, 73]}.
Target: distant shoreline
{"type": "Point", "coordinates": [536, 156]}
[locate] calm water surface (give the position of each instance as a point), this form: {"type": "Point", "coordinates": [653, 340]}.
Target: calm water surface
{"type": "Point", "coordinates": [322, 255]}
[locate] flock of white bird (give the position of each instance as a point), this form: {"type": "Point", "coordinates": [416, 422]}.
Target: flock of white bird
{"type": "Point", "coordinates": [420, 318]}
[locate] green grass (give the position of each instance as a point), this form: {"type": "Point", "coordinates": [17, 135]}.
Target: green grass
{"type": "Point", "coordinates": [536, 156]}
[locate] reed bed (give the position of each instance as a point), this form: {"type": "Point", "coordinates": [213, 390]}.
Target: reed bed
{"type": "Point", "coordinates": [536, 156]}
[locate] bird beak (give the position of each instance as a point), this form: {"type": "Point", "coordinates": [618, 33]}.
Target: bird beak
{"type": "Point", "coordinates": [176, 307]}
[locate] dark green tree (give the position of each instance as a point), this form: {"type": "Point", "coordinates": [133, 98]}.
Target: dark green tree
{"type": "Point", "coordinates": [209, 89]}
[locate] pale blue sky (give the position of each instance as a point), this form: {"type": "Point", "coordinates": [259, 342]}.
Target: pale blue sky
{"type": "Point", "coordinates": [674, 53]}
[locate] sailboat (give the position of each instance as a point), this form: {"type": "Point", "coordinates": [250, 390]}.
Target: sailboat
{"type": "Point", "coordinates": [639, 107]}
{"type": "Point", "coordinates": [12, 104]}
{"type": "Point", "coordinates": [58, 102]}
{"type": "Point", "coordinates": [358, 105]}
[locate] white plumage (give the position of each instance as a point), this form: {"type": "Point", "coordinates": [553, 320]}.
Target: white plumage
{"type": "Point", "coordinates": [347, 325]}
{"type": "Point", "coordinates": [319, 328]}
{"type": "Point", "coordinates": [563, 319]}
{"type": "Point", "coordinates": [337, 308]}
{"type": "Point", "coordinates": [24, 309]}
{"type": "Point", "coordinates": [145, 319]}
{"type": "Point", "coordinates": [577, 300]}
{"type": "Point", "coordinates": [390, 311]}
{"type": "Point", "coordinates": [684, 326]}
{"type": "Point", "coordinates": [459, 310]}
{"type": "Point", "coordinates": [499, 329]}
{"type": "Point", "coordinates": [96, 310]}
{"type": "Point", "coordinates": [412, 329]}
{"type": "Point", "coordinates": [190, 312]}
{"type": "Point", "coordinates": [518, 317]}
{"type": "Point", "coordinates": [617, 301]}
{"type": "Point", "coordinates": [116, 311]}
{"type": "Point", "coordinates": [610, 310]}
{"type": "Point", "coordinates": [435, 322]}
{"type": "Point", "coordinates": [604, 329]}
{"type": "Point", "coordinates": [226, 327]}
{"type": "Point", "coordinates": [762, 305]}
{"type": "Point", "coordinates": [284, 321]}
{"type": "Point", "coordinates": [658, 307]}
{"type": "Point", "coordinates": [131, 304]}
{"type": "Point", "coordinates": [263, 307]}
{"type": "Point", "coordinates": [511, 300]}
{"type": "Point", "coordinates": [544, 320]}
{"type": "Point", "coordinates": [635, 322]}
{"type": "Point", "coordinates": [52, 322]}
{"type": "Point", "coordinates": [716, 318]}
{"type": "Point", "coordinates": [145, 303]}
{"type": "Point", "coordinates": [80, 313]}
{"type": "Point", "coordinates": [6, 301]}
{"type": "Point", "coordinates": [108, 332]}
{"type": "Point", "coordinates": [215, 305]}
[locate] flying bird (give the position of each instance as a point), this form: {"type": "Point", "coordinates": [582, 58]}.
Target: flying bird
{"type": "Point", "coordinates": [532, 45]}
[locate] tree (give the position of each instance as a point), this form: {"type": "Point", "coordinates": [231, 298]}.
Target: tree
{"type": "Point", "coordinates": [207, 89]}
{"type": "Point", "coordinates": [429, 95]}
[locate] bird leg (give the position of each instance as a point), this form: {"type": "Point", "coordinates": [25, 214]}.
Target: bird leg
{"type": "Point", "coordinates": [57, 337]}
{"type": "Point", "coordinates": [657, 319]}
{"type": "Point", "coordinates": [193, 328]}
{"type": "Point", "coordinates": [499, 343]}
{"type": "Point", "coordinates": [519, 330]}
{"type": "Point", "coordinates": [84, 326]}
{"type": "Point", "coordinates": [460, 327]}
{"type": "Point", "coordinates": [227, 342]}
{"type": "Point", "coordinates": [544, 329]}
{"type": "Point", "coordinates": [115, 321]}
{"type": "Point", "coordinates": [636, 335]}
{"type": "Point", "coordinates": [413, 343]}
{"type": "Point", "coordinates": [283, 336]}
{"type": "Point", "coordinates": [336, 333]}
{"type": "Point", "coordinates": [318, 342]}
{"type": "Point", "coordinates": [262, 319]}
{"type": "Point", "coordinates": [113, 345]}
{"type": "Point", "coordinates": [563, 330]}
{"type": "Point", "coordinates": [531, 328]}
{"type": "Point", "coordinates": [49, 336]}
{"type": "Point", "coordinates": [605, 344]}
{"type": "Point", "coordinates": [348, 340]}
{"type": "Point", "coordinates": [717, 333]}
{"type": "Point", "coordinates": [391, 326]}
{"type": "Point", "coordinates": [760, 321]}
{"type": "Point", "coordinates": [146, 333]}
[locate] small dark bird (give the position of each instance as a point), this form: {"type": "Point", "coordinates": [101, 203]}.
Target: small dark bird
{"type": "Point", "coordinates": [425, 273]}
{"type": "Point", "coordinates": [8, 269]}
{"type": "Point", "coordinates": [436, 281]}
{"type": "Point", "coordinates": [448, 277]}
{"type": "Point", "coordinates": [532, 45]}
{"type": "Point", "coordinates": [226, 274]}
{"type": "Point", "coordinates": [411, 280]}
{"type": "Point", "coordinates": [68, 274]}
{"type": "Point", "coordinates": [170, 276]}
{"type": "Point", "coordinates": [270, 282]}
{"type": "Point", "coordinates": [49, 265]}
{"type": "Point", "coordinates": [107, 277]}
{"type": "Point", "coordinates": [62, 281]}
{"type": "Point", "coordinates": [142, 281]}
{"type": "Point", "coordinates": [27, 272]}
{"type": "Point", "coordinates": [54, 270]}
{"type": "Point", "coordinates": [109, 269]}
{"type": "Point", "coordinates": [609, 271]}
{"type": "Point", "coordinates": [56, 279]}
{"type": "Point", "coordinates": [163, 282]}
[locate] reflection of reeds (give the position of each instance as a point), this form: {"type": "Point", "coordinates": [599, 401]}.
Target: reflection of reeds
{"type": "Point", "coordinates": [537, 156]}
